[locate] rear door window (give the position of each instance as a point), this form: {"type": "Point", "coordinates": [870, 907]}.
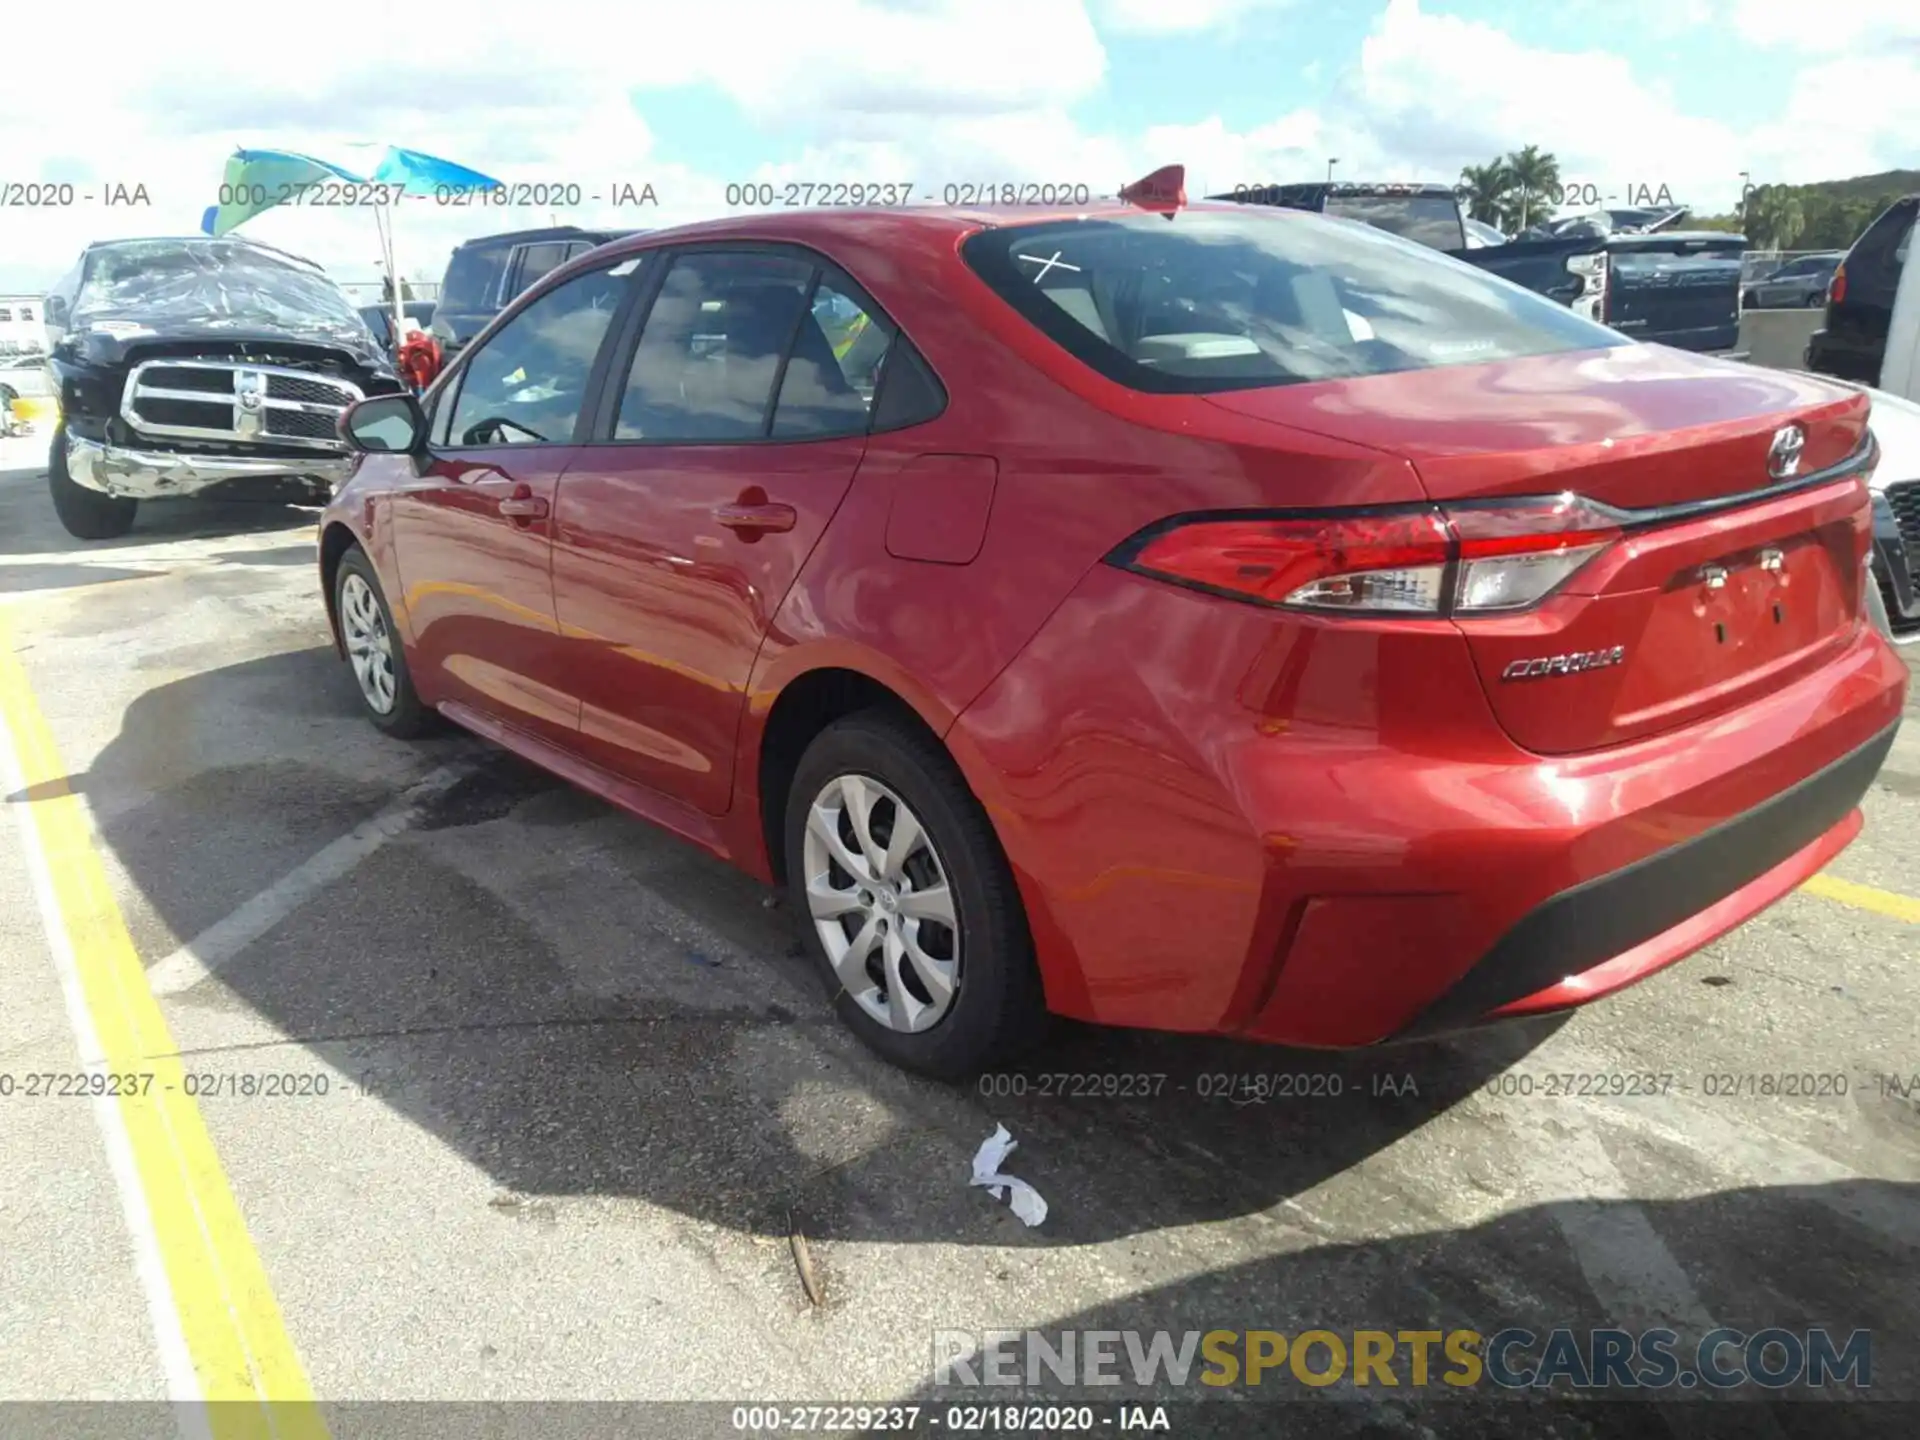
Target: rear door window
{"type": "Point", "coordinates": [473, 278]}
{"type": "Point", "coordinates": [536, 261]}
{"type": "Point", "coordinates": [1226, 301]}
{"type": "Point", "coordinates": [833, 369]}
{"type": "Point", "coordinates": [1873, 267]}
{"type": "Point", "coordinates": [709, 353]}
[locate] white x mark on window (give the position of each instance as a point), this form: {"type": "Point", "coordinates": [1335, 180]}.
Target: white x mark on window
{"type": "Point", "coordinates": [1052, 262]}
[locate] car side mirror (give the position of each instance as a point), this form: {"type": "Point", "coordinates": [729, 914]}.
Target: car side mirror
{"type": "Point", "coordinates": [385, 424]}
{"type": "Point", "coordinates": [55, 309]}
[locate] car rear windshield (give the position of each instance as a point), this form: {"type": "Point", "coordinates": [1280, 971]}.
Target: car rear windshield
{"type": "Point", "coordinates": [1230, 301]}
{"type": "Point", "coordinates": [1431, 219]}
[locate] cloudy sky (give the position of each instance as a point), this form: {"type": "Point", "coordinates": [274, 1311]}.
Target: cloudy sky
{"type": "Point", "coordinates": [688, 97]}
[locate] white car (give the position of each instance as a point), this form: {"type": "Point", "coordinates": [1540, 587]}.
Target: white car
{"type": "Point", "coordinates": [1895, 422]}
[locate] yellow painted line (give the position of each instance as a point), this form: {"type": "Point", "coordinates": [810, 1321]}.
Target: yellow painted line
{"type": "Point", "coordinates": [242, 1358]}
{"type": "Point", "coordinates": [1865, 897]}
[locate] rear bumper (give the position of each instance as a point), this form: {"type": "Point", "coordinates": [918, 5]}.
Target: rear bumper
{"type": "Point", "coordinates": [1606, 934]}
{"type": "Point", "coordinates": [1592, 874]}
{"type": "Point", "coordinates": [159, 474]}
{"type": "Point", "coordinates": [1314, 833]}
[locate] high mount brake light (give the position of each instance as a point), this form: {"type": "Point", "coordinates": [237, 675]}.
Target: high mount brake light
{"type": "Point", "coordinates": [1463, 559]}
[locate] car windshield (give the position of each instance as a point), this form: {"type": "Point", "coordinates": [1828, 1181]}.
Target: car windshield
{"type": "Point", "coordinates": [212, 283]}
{"type": "Point", "coordinates": [1226, 301]}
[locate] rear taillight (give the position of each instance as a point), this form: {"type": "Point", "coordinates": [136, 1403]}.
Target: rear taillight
{"type": "Point", "coordinates": [1461, 559]}
{"type": "Point", "coordinates": [1837, 287]}
{"type": "Point", "coordinates": [1591, 271]}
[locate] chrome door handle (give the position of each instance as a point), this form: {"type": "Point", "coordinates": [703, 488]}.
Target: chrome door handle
{"type": "Point", "coordinates": [523, 506]}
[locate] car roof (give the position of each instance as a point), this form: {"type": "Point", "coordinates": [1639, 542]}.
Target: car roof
{"type": "Point", "coordinates": [805, 226]}
{"type": "Point", "coordinates": [544, 232]}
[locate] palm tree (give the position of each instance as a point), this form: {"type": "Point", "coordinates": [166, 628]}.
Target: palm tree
{"type": "Point", "coordinates": [1537, 177]}
{"type": "Point", "coordinates": [1774, 217]}
{"type": "Point", "coordinates": [1484, 189]}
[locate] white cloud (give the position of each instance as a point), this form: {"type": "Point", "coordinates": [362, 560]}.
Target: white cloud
{"type": "Point", "coordinates": [1440, 91]}
{"type": "Point", "coordinates": [163, 104]}
{"type": "Point", "coordinates": [1855, 27]}
{"type": "Point", "coordinates": [1169, 17]}
{"type": "Point", "coordinates": [929, 90]}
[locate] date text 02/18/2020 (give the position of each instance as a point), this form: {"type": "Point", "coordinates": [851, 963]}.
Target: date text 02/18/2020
{"type": "Point", "coordinates": [792, 194]}
{"type": "Point", "coordinates": [549, 194]}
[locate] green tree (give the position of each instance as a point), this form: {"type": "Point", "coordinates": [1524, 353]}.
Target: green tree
{"type": "Point", "coordinates": [1773, 215]}
{"type": "Point", "coordinates": [1484, 190]}
{"type": "Point", "coordinates": [1536, 176]}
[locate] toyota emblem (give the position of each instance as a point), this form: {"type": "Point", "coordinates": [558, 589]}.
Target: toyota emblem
{"type": "Point", "coordinates": [1783, 456]}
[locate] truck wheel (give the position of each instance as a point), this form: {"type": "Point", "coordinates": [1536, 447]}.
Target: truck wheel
{"type": "Point", "coordinates": [87, 514]}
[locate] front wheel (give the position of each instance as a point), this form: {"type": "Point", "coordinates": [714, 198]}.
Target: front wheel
{"type": "Point", "coordinates": [374, 650]}
{"type": "Point", "coordinates": [908, 905]}
{"type": "Point", "coordinates": [87, 514]}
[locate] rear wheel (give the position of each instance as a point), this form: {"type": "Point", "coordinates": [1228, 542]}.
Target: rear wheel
{"type": "Point", "coordinates": [374, 650]}
{"type": "Point", "coordinates": [907, 902]}
{"type": "Point", "coordinates": [87, 514]}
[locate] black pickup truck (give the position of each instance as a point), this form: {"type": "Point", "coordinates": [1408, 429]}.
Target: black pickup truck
{"type": "Point", "coordinates": [1676, 287]}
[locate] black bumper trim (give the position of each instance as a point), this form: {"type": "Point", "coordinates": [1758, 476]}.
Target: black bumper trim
{"type": "Point", "coordinates": [1609, 915]}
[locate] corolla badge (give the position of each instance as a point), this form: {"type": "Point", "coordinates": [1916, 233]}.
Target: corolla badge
{"type": "Point", "coordinates": [1572, 663]}
{"type": "Point", "coordinates": [1783, 456]}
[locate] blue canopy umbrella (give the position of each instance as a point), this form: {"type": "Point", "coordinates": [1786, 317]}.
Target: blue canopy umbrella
{"type": "Point", "coordinates": [257, 180]}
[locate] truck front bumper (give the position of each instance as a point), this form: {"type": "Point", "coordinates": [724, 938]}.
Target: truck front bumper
{"type": "Point", "coordinates": [159, 474]}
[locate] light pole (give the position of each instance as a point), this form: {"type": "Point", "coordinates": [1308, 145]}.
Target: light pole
{"type": "Point", "coordinates": [1332, 161]}
{"type": "Point", "coordinates": [1745, 186]}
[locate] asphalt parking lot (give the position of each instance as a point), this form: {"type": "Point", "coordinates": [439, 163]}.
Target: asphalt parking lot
{"type": "Point", "coordinates": [580, 1090]}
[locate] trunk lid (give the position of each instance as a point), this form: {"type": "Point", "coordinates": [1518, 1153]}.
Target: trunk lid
{"type": "Point", "coordinates": [1677, 289]}
{"type": "Point", "coordinates": [1707, 607]}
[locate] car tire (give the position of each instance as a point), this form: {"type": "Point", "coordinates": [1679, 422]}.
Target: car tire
{"type": "Point", "coordinates": [994, 1007]}
{"type": "Point", "coordinates": [375, 653]}
{"type": "Point", "coordinates": [87, 514]}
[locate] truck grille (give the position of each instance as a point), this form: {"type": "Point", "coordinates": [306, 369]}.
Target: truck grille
{"type": "Point", "coordinates": [231, 400]}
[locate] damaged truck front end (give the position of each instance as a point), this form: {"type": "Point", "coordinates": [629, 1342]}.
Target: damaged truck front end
{"type": "Point", "coordinates": [200, 367]}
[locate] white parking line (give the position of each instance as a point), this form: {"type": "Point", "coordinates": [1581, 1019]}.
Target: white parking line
{"type": "Point", "coordinates": [220, 942]}
{"type": "Point", "coordinates": [176, 1357]}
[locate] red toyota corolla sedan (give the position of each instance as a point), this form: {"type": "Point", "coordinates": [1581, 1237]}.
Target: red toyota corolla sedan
{"type": "Point", "coordinates": [1198, 618]}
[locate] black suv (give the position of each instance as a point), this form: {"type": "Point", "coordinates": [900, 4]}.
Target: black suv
{"type": "Point", "coordinates": [484, 274]}
{"type": "Point", "coordinates": [1853, 345]}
